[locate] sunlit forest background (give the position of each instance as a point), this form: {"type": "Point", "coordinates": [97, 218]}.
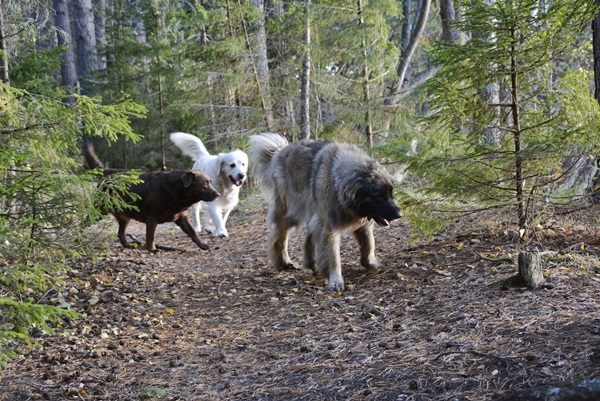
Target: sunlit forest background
{"type": "Point", "coordinates": [470, 104]}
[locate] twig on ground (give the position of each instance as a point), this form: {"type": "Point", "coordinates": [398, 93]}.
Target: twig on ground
{"type": "Point", "coordinates": [494, 259]}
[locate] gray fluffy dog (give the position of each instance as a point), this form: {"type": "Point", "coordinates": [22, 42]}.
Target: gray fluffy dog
{"type": "Point", "coordinates": [332, 188]}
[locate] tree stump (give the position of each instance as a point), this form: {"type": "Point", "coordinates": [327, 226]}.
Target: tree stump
{"type": "Point", "coordinates": [530, 269]}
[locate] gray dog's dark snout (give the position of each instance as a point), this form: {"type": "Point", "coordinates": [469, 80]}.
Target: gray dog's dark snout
{"type": "Point", "coordinates": [398, 214]}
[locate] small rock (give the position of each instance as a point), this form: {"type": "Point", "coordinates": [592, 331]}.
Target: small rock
{"type": "Point", "coordinates": [107, 296]}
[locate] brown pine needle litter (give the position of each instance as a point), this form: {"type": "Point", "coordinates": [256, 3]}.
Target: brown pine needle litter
{"type": "Point", "coordinates": [434, 323]}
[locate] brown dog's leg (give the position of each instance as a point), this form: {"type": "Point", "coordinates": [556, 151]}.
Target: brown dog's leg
{"type": "Point", "coordinates": [185, 225]}
{"type": "Point", "coordinates": [123, 222]}
{"type": "Point", "coordinates": [150, 233]}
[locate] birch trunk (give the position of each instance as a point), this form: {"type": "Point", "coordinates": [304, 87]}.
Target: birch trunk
{"type": "Point", "coordinates": [4, 75]}
{"type": "Point", "coordinates": [305, 90]}
{"type": "Point", "coordinates": [261, 62]}
{"type": "Point", "coordinates": [85, 43]}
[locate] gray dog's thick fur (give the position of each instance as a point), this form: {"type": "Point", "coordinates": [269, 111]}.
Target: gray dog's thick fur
{"type": "Point", "coordinates": [332, 188]}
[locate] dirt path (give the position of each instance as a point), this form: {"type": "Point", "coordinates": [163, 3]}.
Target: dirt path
{"type": "Point", "coordinates": [432, 324]}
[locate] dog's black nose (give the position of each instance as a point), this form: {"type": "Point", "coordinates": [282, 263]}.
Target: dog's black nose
{"type": "Point", "coordinates": [394, 213]}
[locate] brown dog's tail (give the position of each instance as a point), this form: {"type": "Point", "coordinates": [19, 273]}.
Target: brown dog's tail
{"type": "Point", "coordinates": [90, 155]}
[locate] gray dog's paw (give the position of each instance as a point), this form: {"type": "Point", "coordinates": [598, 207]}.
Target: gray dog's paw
{"type": "Point", "coordinates": [287, 266]}
{"type": "Point", "coordinates": [371, 266]}
{"type": "Point", "coordinates": [335, 286]}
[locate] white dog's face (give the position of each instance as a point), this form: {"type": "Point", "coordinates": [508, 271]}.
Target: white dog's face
{"type": "Point", "coordinates": [235, 166]}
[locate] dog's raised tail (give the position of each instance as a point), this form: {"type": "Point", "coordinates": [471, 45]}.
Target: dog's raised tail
{"type": "Point", "coordinates": [92, 160]}
{"type": "Point", "coordinates": [261, 149]}
{"type": "Point", "coordinates": [189, 145]}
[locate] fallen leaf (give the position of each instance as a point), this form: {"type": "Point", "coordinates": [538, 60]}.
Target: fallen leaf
{"type": "Point", "coordinates": [154, 392]}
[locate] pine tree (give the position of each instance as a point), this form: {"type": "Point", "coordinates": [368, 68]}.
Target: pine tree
{"type": "Point", "coordinates": [353, 56]}
{"type": "Point", "coordinates": [528, 60]}
{"type": "Point", "coordinates": [46, 202]}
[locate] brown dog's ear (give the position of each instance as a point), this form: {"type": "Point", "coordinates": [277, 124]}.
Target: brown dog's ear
{"type": "Point", "coordinates": [188, 178]}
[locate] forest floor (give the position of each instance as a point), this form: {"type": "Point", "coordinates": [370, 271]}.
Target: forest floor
{"type": "Point", "coordinates": [434, 323]}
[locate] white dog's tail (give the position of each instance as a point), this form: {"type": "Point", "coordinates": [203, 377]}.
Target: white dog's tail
{"type": "Point", "coordinates": [262, 148]}
{"type": "Point", "coordinates": [189, 145]}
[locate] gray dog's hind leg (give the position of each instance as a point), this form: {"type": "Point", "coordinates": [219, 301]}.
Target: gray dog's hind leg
{"type": "Point", "coordinates": [280, 226]}
{"type": "Point", "coordinates": [308, 253]}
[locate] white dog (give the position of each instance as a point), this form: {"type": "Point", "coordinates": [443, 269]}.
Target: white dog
{"type": "Point", "coordinates": [228, 172]}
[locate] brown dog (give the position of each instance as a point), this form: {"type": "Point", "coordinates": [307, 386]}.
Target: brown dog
{"type": "Point", "coordinates": [163, 197]}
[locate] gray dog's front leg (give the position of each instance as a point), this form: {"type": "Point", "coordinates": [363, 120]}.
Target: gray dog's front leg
{"type": "Point", "coordinates": [366, 242]}
{"type": "Point", "coordinates": [333, 261]}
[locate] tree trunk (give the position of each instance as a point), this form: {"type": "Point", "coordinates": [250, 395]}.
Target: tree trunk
{"type": "Point", "coordinates": [596, 50]}
{"type": "Point", "coordinates": [366, 74]}
{"type": "Point", "coordinates": [161, 116]}
{"type": "Point", "coordinates": [68, 71]}
{"type": "Point", "coordinates": [159, 28]}
{"type": "Point", "coordinates": [275, 8]}
{"type": "Point", "coordinates": [406, 26]}
{"type": "Point", "coordinates": [406, 57]}
{"type": "Point", "coordinates": [261, 62]}
{"type": "Point", "coordinates": [204, 35]}
{"type": "Point", "coordinates": [4, 75]}
{"type": "Point", "coordinates": [491, 93]}
{"type": "Point", "coordinates": [100, 30]}
{"type": "Point", "coordinates": [530, 269]}
{"type": "Point", "coordinates": [305, 90]}
{"type": "Point", "coordinates": [579, 173]}
{"type": "Point", "coordinates": [408, 44]}
{"type": "Point", "coordinates": [85, 40]}
{"type": "Point", "coordinates": [290, 113]}
{"type": "Point", "coordinates": [516, 130]}
{"type": "Point", "coordinates": [448, 14]}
